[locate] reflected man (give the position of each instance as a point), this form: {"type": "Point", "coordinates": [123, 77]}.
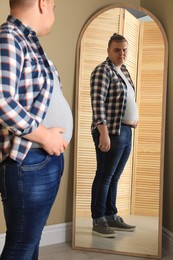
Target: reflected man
{"type": "Point", "coordinates": [114, 114]}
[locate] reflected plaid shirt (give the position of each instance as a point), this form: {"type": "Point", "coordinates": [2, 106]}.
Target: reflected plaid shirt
{"type": "Point", "coordinates": [108, 96]}
{"type": "Point", "coordinates": [26, 84]}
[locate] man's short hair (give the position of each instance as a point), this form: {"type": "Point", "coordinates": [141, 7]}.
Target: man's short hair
{"type": "Point", "coordinates": [17, 3]}
{"type": "Point", "coordinates": [116, 38]}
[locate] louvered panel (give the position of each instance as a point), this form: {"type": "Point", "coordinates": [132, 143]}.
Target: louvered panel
{"type": "Point", "coordinates": [96, 38]}
{"type": "Point", "coordinates": [131, 33]}
{"type": "Point", "coordinates": [94, 45]}
{"type": "Point", "coordinates": [93, 51]}
{"type": "Point", "coordinates": [148, 161]}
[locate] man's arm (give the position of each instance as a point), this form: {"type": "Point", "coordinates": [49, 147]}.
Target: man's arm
{"type": "Point", "coordinates": [12, 114]}
{"type": "Point", "coordinates": [104, 141]}
{"type": "Point", "coordinates": [99, 84]}
{"type": "Point", "coordinates": [51, 139]}
{"type": "Point", "coordinates": [99, 87]}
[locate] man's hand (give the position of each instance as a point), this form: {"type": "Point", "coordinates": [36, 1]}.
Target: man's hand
{"type": "Point", "coordinates": [134, 125]}
{"type": "Point", "coordinates": [104, 141]}
{"type": "Point", "coordinates": [51, 139]}
{"type": "Point", "coordinates": [54, 143]}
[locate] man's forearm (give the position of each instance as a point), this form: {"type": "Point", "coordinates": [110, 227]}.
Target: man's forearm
{"type": "Point", "coordinates": [39, 135]}
{"type": "Point", "coordinates": [103, 129]}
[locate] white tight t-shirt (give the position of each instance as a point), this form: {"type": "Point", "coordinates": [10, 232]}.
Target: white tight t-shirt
{"type": "Point", "coordinates": [131, 113]}
{"type": "Point", "coordinates": [59, 113]}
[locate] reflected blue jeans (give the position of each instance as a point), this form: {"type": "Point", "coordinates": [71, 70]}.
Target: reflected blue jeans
{"type": "Point", "coordinates": [110, 166]}
{"type": "Point", "coordinates": [28, 191]}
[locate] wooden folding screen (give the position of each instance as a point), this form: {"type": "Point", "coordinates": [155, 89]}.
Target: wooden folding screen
{"type": "Point", "coordinates": [94, 51]}
{"type": "Point", "coordinates": [138, 191]}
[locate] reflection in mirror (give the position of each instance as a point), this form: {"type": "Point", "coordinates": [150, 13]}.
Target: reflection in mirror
{"type": "Point", "coordinates": [140, 187]}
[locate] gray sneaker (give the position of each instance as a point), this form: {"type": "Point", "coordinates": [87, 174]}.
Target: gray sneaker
{"type": "Point", "coordinates": [120, 225]}
{"type": "Point", "coordinates": [102, 229]}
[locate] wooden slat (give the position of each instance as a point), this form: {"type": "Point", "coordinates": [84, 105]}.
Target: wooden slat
{"type": "Point", "coordinates": [149, 137]}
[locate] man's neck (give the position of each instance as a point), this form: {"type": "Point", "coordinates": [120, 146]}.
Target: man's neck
{"type": "Point", "coordinates": [26, 17]}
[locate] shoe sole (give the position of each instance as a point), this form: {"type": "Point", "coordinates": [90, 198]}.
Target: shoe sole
{"type": "Point", "coordinates": [124, 229]}
{"type": "Point", "coordinates": [104, 235]}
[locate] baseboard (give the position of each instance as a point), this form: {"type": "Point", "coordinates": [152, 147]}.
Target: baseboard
{"type": "Point", "coordinates": [167, 242]}
{"type": "Point", "coordinates": [53, 234]}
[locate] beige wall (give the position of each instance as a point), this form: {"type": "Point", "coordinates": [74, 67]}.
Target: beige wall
{"type": "Point", "coordinates": [61, 47]}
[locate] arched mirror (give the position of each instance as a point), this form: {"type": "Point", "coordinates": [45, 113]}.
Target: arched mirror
{"type": "Point", "coordinates": [140, 187]}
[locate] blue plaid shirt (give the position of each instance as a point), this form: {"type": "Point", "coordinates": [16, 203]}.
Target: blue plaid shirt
{"type": "Point", "coordinates": [108, 96]}
{"type": "Point", "coordinates": [26, 84]}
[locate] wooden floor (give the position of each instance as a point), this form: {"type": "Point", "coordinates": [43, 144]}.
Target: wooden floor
{"type": "Point", "coordinates": [146, 234]}
{"type": "Point", "coordinates": [65, 252]}
{"type": "Point", "coordinates": [144, 241]}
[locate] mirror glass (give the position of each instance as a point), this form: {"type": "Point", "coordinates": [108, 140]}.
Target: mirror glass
{"type": "Point", "coordinates": [140, 185]}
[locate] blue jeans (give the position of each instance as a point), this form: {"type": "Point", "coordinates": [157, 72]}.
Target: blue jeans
{"type": "Point", "coordinates": [110, 166]}
{"type": "Point", "coordinates": [28, 191]}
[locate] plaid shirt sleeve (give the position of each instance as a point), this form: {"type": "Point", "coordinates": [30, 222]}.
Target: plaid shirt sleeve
{"type": "Point", "coordinates": [99, 82]}
{"type": "Point", "coordinates": [13, 116]}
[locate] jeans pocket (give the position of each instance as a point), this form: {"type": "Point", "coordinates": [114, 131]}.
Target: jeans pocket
{"type": "Point", "coordinates": [3, 190]}
{"type": "Point", "coordinates": [36, 159]}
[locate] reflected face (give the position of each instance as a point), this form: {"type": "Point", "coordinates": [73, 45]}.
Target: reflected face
{"type": "Point", "coordinates": [117, 52]}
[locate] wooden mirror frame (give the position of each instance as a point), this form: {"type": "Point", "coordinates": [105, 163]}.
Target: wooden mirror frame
{"type": "Point", "coordinates": [157, 256]}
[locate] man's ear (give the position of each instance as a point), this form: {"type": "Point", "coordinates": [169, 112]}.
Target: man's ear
{"type": "Point", "coordinates": [41, 5]}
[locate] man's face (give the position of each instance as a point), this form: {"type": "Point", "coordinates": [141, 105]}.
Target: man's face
{"type": "Point", "coordinates": [117, 52]}
{"type": "Point", "coordinates": [49, 16]}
